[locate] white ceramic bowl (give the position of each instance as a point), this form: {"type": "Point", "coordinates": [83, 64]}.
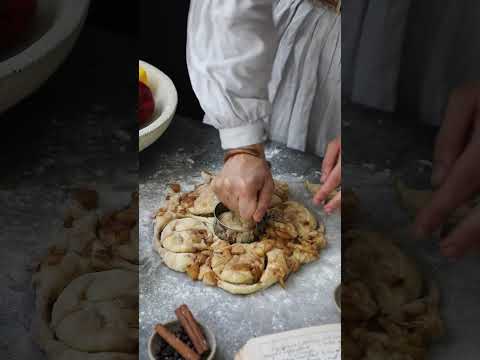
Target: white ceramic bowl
{"type": "Point", "coordinates": [166, 98]}
{"type": "Point", "coordinates": [56, 28]}
{"type": "Point", "coordinates": [175, 324]}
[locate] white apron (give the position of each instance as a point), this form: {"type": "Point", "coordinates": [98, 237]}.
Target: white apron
{"type": "Point", "coordinates": [305, 89]}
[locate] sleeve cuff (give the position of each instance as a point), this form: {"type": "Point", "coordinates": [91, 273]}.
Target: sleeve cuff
{"type": "Point", "coordinates": [245, 135]}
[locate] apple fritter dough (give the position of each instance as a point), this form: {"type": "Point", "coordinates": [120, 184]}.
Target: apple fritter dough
{"type": "Point", "coordinates": [202, 201]}
{"type": "Point", "coordinates": [276, 270]}
{"type": "Point", "coordinates": [292, 212]}
{"type": "Point", "coordinates": [387, 312]}
{"type": "Point", "coordinates": [176, 261]}
{"type": "Point", "coordinates": [393, 276]}
{"type": "Point", "coordinates": [98, 313]}
{"type": "Point", "coordinates": [81, 311]}
{"type": "Point", "coordinates": [186, 235]}
{"type": "Point", "coordinates": [292, 238]}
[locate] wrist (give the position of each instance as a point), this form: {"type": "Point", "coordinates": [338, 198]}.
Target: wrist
{"type": "Point", "coordinates": [255, 150]}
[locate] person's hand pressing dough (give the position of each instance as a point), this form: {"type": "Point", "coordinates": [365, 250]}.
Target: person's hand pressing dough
{"type": "Point", "coordinates": [245, 186]}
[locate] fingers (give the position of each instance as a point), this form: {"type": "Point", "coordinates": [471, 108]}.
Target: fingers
{"type": "Point", "coordinates": [462, 183]}
{"type": "Point", "coordinates": [264, 200]}
{"type": "Point", "coordinates": [245, 186]}
{"type": "Point", "coordinates": [453, 135]}
{"type": "Point", "coordinates": [223, 188]}
{"type": "Point", "coordinates": [237, 195]}
{"type": "Point", "coordinates": [330, 159]}
{"type": "Point", "coordinates": [247, 199]}
{"type": "Point", "coordinates": [464, 237]}
{"type": "Point", "coordinates": [330, 184]}
{"type": "Point", "coordinates": [334, 204]}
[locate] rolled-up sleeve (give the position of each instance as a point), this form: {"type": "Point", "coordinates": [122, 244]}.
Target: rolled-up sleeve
{"type": "Point", "coordinates": [230, 50]}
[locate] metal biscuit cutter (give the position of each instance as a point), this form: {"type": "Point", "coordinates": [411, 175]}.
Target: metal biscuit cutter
{"type": "Point", "coordinates": [231, 235]}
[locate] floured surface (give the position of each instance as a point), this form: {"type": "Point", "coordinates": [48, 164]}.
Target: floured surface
{"type": "Point", "coordinates": [307, 300]}
{"type": "Point", "coordinates": [30, 220]}
{"type": "Point", "coordinates": [459, 282]}
{"type": "Point", "coordinates": [308, 297]}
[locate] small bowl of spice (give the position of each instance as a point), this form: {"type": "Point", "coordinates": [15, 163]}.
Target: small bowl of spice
{"type": "Point", "coordinates": [181, 339]}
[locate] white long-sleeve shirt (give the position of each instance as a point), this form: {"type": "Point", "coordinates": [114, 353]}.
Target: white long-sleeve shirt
{"type": "Point", "coordinates": [263, 67]}
{"type": "Point", "coordinates": [230, 50]}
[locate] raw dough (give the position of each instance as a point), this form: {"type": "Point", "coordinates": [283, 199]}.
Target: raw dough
{"type": "Point", "coordinates": [292, 238]}
{"type": "Point", "coordinates": [81, 311]}
{"type": "Point", "coordinates": [235, 229]}
{"type": "Point", "coordinates": [202, 201]}
{"type": "Point", "coordinates": [235, 222]}
{"type": "Point", "coordinates": [392, 275]}
{"type": "Point", "coordinates": [277, 270]}
{"type": "Point", "coordinates": [294, 213]}
{"type": "Point", "coordinates": [387, 313]}
{"type": "Point", "coordinates": [186, 235]}
{"type": "Point", "coordinates": [239, 264]}
{"type": "Point", "coordinates": [176, 261]}
{"type": "Point", "coordinates": [97, 312]}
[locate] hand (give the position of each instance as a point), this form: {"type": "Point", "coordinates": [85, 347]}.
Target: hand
{"type": "Point", "coordinates": [331, 176]}
{"type": "Point", "coordinates": [455, 173]}
{"type": "Point", "coordinates": [245, 186]}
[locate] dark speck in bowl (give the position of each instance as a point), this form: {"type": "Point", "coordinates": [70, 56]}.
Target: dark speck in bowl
{"type": "Point", "coordinates": [162, 351]}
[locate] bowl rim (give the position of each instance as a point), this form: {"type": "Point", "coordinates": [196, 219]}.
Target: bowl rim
{"type": "Point", "coordinates": [166, 114]}
{"type": "Point", "coordinates": [71, 15]}
{"type": "Point", "coordinates": [213, 347]}
{"type": "Point", "coordinates": [337, 297]}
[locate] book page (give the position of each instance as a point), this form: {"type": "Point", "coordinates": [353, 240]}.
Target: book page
{"type": "Point", "coordinates": [314, 343]}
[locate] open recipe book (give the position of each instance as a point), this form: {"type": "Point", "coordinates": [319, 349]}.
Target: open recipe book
{"type": "Point", "coordinates": [313, 343]}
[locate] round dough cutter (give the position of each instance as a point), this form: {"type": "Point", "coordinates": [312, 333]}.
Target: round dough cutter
{"type": "Point", "coordinates": [232, 235]}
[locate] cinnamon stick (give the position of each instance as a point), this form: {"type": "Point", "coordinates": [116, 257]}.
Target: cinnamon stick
{"type": "Point", "coordinates": [193, 330]}
{"type": "Point", "coordinates": [176, 343]}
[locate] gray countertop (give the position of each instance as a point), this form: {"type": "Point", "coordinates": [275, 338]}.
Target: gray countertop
{"type": "Point", "coordinates": [179, 155]}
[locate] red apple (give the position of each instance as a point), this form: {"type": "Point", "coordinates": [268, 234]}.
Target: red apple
{"type": "Point", "coordinates": [16, 17]}
{"type": "Point", "coordinates": [146, 104]}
